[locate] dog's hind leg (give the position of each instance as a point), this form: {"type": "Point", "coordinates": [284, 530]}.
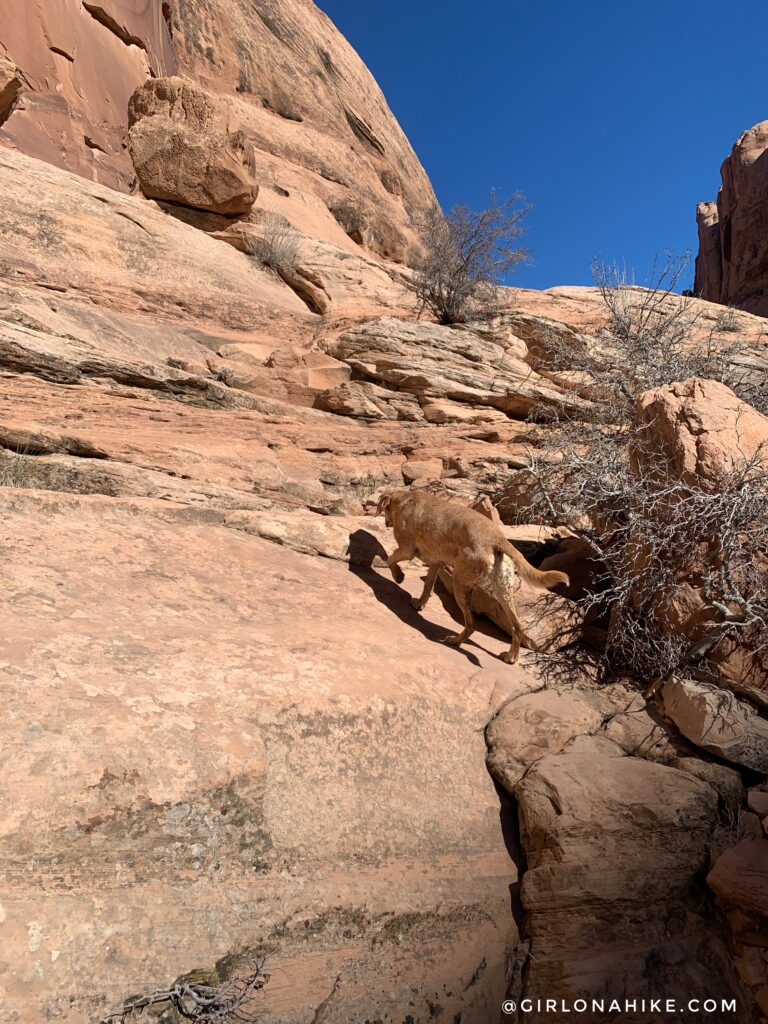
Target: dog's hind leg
{"type": "Point", "coordinates": [402, 554]}
{"type": "Point", "coordinates": [463, 595]}
{"type": "Point", "coordinates": [503, 579]}
{"type": "Point", "coordinates": [419, 603]}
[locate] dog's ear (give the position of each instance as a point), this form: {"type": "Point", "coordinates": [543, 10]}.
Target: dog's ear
{"type": "Point", "coordinates": [384, 501]}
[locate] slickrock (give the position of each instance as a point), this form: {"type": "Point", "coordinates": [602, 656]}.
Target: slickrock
{"type": "Point", "coordinates": [236, 758]}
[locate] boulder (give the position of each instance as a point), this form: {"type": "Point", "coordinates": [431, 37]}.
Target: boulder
{"type": "Point", "coordinates": [186, 148]}
{"type": "Point", "coordinates": [614, 846]}
{"type": "Point", "coordinates": [534, 725]}
{"type": "Point", "coordinates": [698, 429]}
{"type": "Point", "coordinates": [715, 720]}
{"type": "Point", "coordinates": [739, 878]}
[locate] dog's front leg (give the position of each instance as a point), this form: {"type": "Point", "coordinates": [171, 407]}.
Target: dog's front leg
{"type": "Point", "coordinates": [419, 603]}
{"type": "Point", "coordinates": [402, 554]}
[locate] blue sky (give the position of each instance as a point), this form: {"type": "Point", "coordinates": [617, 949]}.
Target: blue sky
{"type": "Point", "coordinates": [612, 116]}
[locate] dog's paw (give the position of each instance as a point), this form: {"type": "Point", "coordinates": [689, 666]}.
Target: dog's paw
{"type": "Point", "coordinates": [417, 604]}
{"type": "Point", "coordinates": [397, 574]}
{"type": "Point", "coordinates": [453, 641]}
{"type": "Point", "coordinates": [508, 657]}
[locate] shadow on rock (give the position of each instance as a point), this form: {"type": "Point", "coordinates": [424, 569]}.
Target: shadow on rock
{"type": "Point", "coordinates": [363, 549]}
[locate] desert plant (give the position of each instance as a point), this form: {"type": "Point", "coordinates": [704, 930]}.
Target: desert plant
{"type": "Point", "coordinates": [653, 537]}
{"type": "Point", "coordinates": [732, 829]}
{"type": "Point", "coordinates": [17, 471]}
{"type": "Point", "coordinates": [275, 243]}
{"type": "Point", "coordinates": [201, 1001]}
{"type": "Point", "coordinates": [653, 337]}
{"type": "Point", "coordinates": [466, 255]}
{"type": "Point", "coordinates": [727, 322]}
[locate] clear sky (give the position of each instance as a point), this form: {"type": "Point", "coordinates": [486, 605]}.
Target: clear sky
{"type": "Point", "coordinates": [612, 116]}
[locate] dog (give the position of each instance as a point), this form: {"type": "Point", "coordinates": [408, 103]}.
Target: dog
{"type": "Point", "coordinates": [440, 532]}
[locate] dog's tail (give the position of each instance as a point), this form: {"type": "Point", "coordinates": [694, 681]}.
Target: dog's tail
{"type": "Point", "coordinates": [533, 576]}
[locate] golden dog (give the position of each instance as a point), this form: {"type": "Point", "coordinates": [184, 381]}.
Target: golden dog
{"type": "Point", "coordinates": [440, 532]}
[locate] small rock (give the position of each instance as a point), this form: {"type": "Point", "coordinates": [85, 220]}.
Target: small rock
{"type": "Point", "coordinates": [739, 878]}
{"type": "Point", "coordinates": [715, 720]}
{"type": "Point", "coordinates": [421, 470]}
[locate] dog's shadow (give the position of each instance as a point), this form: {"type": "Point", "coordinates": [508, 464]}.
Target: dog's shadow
{"type": "Point", "coordinates": [364, 548]}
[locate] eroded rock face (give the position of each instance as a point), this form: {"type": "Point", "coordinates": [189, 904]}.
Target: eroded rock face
{"type": "Point", "coordinates": [10, 87]}
{"type": "Point", "coordinates": [318, 123]}
{"type": "Point", "coordinates": [594, 780]}
{"type": "Point", "coordinates": [458, 364]}
{"type": "Point", "coordinates": [732, 266]}
{"type": "Point", "coordinates": [187, 149]}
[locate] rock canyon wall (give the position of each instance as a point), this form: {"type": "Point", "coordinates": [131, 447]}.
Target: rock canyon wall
{"type": "Point", "coordinates": [732, 264]}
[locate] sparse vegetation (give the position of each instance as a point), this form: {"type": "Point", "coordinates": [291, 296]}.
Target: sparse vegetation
{"type": "Point", "coordinates": [653, 337]}
{"type": "Point", "coordinates": [679, 566]}
{"type": "Point", "coordinates": [25, 471]}
{"type": "Point", "coordinates": [727, 322]}
{"type": "Point", "coordinates": [274, 243]}
{"type": "Point", "coordinates": [465, 256]}
{"type": "Point", "coordinates": [16, 470]}
{"type": "Point", "coordinates": [729, 832]}
{"type": "Point", "coordinates": [203, 1000]}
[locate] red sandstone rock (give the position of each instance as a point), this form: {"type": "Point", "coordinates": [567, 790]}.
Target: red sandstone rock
{"type": "Point", "coordinates": [732, 266]}
{"type": "Point", "coordinates": [700, 429]}
{"type": "Point", "coordinates": [187, 148]}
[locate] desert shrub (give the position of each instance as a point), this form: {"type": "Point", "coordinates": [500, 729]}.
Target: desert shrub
{"type": "Point", "coordinates": [653, 337]}
{"type": "Point", "coordinates": [664, 550]}
{"type": "Point", "coordinates": [653, 537]}
{"type": "Point", "coordinates": [466, 255]}
{"type": "Point", "coordinates": [203, 1000]}
{"type": "Point", "coordinates": [734, 828]}
{"type": "Point", "coordinates": [18, 471]}
{"type": "Point", "coordinates": [728, 322]}
{"type": "Point", "coordinates": [274, 243]}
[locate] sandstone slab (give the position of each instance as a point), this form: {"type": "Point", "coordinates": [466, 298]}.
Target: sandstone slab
{"type": "Point", "coordinates": [714, 719]}
{"type": "Point", "coordinates": [255, 750]}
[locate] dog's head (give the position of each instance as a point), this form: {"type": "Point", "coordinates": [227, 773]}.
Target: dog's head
{"type": "Point", "coordinates": [383, 507]}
